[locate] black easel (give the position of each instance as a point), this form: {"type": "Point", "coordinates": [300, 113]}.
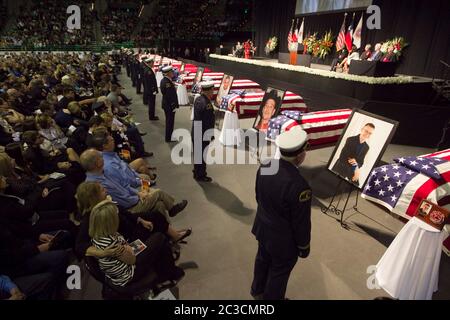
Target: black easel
{"type": "Point", "coordinates": [335, 208]}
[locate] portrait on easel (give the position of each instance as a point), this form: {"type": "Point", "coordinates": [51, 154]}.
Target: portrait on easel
{"type": "Point", "coordinates": [224, 89]}
{"type": "Point", "coordinates": [199, 75]}
{"type": "Point", "coordinates": [361, 146]}
{"type": "Point", "coordinates": [269, 108]}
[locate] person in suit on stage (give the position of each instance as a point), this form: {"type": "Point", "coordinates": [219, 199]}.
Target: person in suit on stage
{"type": "Point", "coordinates": [204, 117]}
{"type": "Point", "coordinates": [282, 225]}
{"type": "Point", "coordinates": [169, 100]}
{"type": "Point", "coordinates": [390, 56]}
{"type": "Point", "coordinates": [376, 56]}
{"type": "Point", "coordinates": [352, 156]}
{"type": "Point", "coordinates": [367, 53]}
{"type": "Point", "coordinates": [150, 88]}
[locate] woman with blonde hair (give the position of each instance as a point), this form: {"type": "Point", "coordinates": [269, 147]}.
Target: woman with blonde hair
{"type": "Point", "coordinates": [89, 194]}
{"type": "Point", "coordinates": [124, 266]}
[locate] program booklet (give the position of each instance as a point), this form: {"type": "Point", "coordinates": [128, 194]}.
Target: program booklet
{"type": "Point", "coordinates": [138, 246]}
{"type": "Point", "coordinates": [432, 214]}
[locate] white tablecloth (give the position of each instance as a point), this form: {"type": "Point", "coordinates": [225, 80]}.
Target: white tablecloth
{"type": "Point", "coordinates": [231, 133]}
{"type": "Point", "coordinates": [183, 98]}
{"type": "Point", "coordinates": [159, 77]}
{"type": "Point", "coordinates": [409, 269]}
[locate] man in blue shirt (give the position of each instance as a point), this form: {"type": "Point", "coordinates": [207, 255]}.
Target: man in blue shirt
{"type": "Point", "coordinates": [120, 186]}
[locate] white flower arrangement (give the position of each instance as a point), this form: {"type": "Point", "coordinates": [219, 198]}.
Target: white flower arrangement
{"type": "Point", "coordinates": [318, 72]}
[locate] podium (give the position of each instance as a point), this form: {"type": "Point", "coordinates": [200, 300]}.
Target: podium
{"type": "Point", "coordinates": [302, 59]}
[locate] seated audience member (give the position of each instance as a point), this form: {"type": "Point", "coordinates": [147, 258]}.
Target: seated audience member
{"type": "Point", "coordinates": [31, 262]}
{"type": "Point", "coordinates": [353, 55]}
{"type": "Point", "coordinates": [367, 53]}
{"type": "Point", "coordinates": [135, 201]}
{"type": "Point", "coordinates": [126, 267]}
{"type": "Point", "coordinates": [103, 141]}
{"type": "Point", "coordinates": [41, 162]}
{"type": "Point", "coordinates": [40, 192]}
{"type": "Point", "coordinates": [377, 54]}
{"type": "Point", "coordinates": [125, 133]}
{"type": "Point", "coordinates": [341, 55]}
{"type": "Point", "coordinates": [9, 290]}
{"type": "Point", "coordinates": [89, 194]}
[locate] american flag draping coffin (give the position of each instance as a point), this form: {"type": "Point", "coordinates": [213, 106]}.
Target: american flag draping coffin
{"type": "Point", "coordinates": [241, 84]}
{"type": "Point", "coordinates": [323, 127]}
{"type": "Point", "coordinates": [401, 186]}
{"type": "Point", "coordinates": [247, 105]}
{"type": "Point", "coordinates": [188, 79]}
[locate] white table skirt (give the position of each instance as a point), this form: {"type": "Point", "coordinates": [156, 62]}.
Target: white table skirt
{"type": "Point", "coordinates": [409, 269]}
{"type": "Point", "coordinates": [183, 98]}
{"type": "Point", "coordinates": [231, 134]}
{"type": "Point", "coordinates": [159, 77]}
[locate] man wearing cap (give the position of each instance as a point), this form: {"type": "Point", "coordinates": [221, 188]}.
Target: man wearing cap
{"type": "Point", "coordinates": [204, 120]}
{"type": "Point", "coordinates": [283, 219]}
{"type": "Point", "coordinates": [169, 100]}
{"type": "Point", "coordinates": [150, 88]}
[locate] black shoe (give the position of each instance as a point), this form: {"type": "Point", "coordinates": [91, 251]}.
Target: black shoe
{"type": "Point", "coordinates": [203, 179]}
{"type": "Point", "coordinates": [186, 234]}
{"type": "Point", "coordinates": [142, 134]}
{"type": "Point", "coordinates": [154, 119]}
{"type": "Point", "coordinates": [147, 154]}
{"type": "Point", "coordinates": [176, 209]}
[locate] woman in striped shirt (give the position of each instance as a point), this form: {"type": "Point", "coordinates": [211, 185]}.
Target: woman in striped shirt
{"type": "Point", "coordinates": [124, 267]}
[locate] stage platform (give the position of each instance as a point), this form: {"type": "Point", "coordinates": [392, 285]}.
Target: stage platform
{"type": "Point", "coordinates": [398, 89]}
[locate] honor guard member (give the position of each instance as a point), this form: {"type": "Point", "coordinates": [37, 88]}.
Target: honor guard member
{"type": "Point", "coordinates": [139, 75]}
{"type": "Point", "coordinates": [133, 69]}
{"type": "Point", "coordinates": [169, 100]}
{"type": "Point", "coordinates": [150, 89]}
{"type": "Point", "coordinates": [204, 117]}
{"type": "Point", "coordinates": [144, 68]}
{"type": "Point", "coordinates": [126, 60]}
{"type": "Point", "coordinates": [283, 218]}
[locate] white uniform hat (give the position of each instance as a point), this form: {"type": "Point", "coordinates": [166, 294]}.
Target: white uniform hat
{"type": "Point", "coordinates": [206, 85]}
{"type": "Point", "coordinates": [167, 69]}
{"type": "Point", "coordinates": [292, 142]}
{"type": "Point", "coordinates": [149, 60]}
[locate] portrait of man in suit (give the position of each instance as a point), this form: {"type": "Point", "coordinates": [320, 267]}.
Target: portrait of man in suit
{"type": "Point", "coordinates": [353, 154]}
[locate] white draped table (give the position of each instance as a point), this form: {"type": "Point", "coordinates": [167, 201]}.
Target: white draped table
{"type": "Point", "coordinates": [409, 269]}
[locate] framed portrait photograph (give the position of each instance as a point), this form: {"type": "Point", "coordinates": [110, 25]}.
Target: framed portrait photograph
{"type": "Point", "coordinates": [199, 75]}
{"type": "Point", "coordinates": [224, 89]}
{"type": "Point", "coordinates": [269, 108]}
{"type": "Point", "coordinates": [361, 146]}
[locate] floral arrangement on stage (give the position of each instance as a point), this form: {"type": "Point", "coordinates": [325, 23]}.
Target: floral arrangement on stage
{"type": "Point", "coordinates": [398, 43]}
{"type": "Point", "coordinates": [324, 46]}
{"type": "Point", "coordinates": [318, 72]}
{"type": "Point", "coordinates": [271, 45]}
{"type": "Point", "coordinates": [309, 43]}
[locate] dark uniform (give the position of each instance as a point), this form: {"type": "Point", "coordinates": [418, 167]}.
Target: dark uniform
{"type": "Point", "coordinates": [282, 227]}
{"type": "Point", "coordinates": [169, 104]}
{"type": "Point", "coordinates": [353, 149]}
{"type": "Point", "coordinates": [204, 112]}
{"type": "Point", "coordinates": [139, 76]}
{"type": "Point", "coordinates": [150, 91]}
{"type": "Point", "coordinates": [133, 70]}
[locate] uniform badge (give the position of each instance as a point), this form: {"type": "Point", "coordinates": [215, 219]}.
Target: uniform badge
{"type": "Point", "coordinates": [168, 85]}
{"type": "Point", "coordinates": [305, 196]}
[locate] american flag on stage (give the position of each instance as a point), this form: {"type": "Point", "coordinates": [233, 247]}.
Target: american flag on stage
{"type": "Point", "coordinates": [349, 35]}
{"type": "Point", "coordinates": [279, 125]}
{"type": "Point", "coordinates": [292, 114]}
{"type": "Point", "coordinates": [340, 42]}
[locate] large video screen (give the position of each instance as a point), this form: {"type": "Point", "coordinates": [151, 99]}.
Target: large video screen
{"type": "Point", "coordinates": [314, 6]}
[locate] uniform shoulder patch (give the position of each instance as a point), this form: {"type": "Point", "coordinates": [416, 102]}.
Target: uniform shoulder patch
{"type": "Point", "coordinates": [305, 195]}
{"type": "Point", "coordinates": [168, 85]}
